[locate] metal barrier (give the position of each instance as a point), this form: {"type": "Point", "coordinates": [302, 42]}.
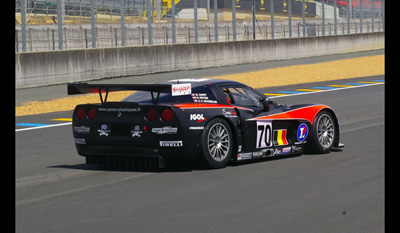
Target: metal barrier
{"type": "Point", "coordinates": [55, 67]}
{"type": "Point", "coordinates": [100, 24]}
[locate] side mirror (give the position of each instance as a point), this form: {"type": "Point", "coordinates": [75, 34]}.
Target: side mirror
{"type": "Point", "coordinates": [267, 103]}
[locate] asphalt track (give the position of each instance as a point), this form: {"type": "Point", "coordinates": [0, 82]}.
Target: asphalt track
{"type": "Point", "coordinates": [338, 192]}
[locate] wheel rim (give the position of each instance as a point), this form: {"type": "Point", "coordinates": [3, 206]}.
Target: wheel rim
{"type": "Point", "coordinates": [218, 142]}
{"type": "Point", "coordinates": [325, 131]}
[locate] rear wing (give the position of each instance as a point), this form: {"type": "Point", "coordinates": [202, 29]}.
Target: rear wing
{"type": "Point", "coordinates": [173, 89]}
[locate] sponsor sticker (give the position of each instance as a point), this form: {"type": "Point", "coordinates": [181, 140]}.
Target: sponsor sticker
{"type": "Point", "coordinates": [244, 156]}
{"type": "Point", "coordinates": [119, 109]}
{"type": "Point", "coordinates": [277, 151]}
{"type": "Point", "coordinates": [286, 150]}
{"type": "Point", "coordinates": [229, 112]}
{"type": "Point", "coordinates": [82, 129]}
{"type": "Point", "coordinates": [302, 132]}
{"type": "Point", "coordinates": [197, 117]}
{"type": "Point", "coordinates": [165, 130]}
{"type": "Point", "coordinates": [297, 148]}
{"type": "Point", "coordinates": [257, 154]}
{"type": "Point", "coordinates": [196, 127]}
{"type": "Point", "coordinates": [181, 89]}
{"type": "Point", "coordinates": [171, 143]}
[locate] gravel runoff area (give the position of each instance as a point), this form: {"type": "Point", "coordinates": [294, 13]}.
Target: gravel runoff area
{"type": "Point", "coordinates": [307, 73]}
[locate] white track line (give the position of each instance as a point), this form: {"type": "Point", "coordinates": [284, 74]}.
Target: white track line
{"type": "Point", "coordinates": [272, 97]}
{"type": "Point", "coordinates": [45, 126]}
{"type": "Point", "coordinates": [316, 92]}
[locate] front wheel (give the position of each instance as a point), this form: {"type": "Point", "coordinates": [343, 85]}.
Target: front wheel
{"type": "Point", "coordinates": [217, 143]}
{"type": "Point", "coordinates": [322, 133]}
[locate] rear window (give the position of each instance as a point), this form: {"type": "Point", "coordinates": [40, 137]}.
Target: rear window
{"type": "Point", "coordinates": [199, 95]}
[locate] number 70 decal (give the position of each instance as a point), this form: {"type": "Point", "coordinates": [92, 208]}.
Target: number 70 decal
{"type": "Point", "coordinates": [264, 134]}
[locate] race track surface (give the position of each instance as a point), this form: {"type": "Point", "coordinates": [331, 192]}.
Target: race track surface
{"type": "Point", "coordinates": [338, 192]}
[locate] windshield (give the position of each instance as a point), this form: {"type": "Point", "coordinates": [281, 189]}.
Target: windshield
{"type": "Point", "coordinates": [246, 97]}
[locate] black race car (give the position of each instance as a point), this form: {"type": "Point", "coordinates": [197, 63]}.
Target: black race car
{"type": "Point", "coordinates": [205, 121]}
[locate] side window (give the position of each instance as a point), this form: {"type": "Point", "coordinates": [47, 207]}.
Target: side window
{"type": "Point", "coordinates": [245, 97]}
{"type": "Point", "coordinates": [227, 95]}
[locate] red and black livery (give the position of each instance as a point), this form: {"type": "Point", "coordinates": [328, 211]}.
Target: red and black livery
{"type": "Point", "coordinates": [205, 121]}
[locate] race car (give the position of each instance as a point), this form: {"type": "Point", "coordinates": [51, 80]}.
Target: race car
{"type": "Point", "coordinates": [208, 122]}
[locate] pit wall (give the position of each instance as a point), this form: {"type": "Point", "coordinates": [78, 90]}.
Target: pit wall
{"type": "Point", "coordinates": [33, 69]}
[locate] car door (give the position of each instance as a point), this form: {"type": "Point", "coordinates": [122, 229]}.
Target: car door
{"type": "Point", "coordinates": [249, 104]}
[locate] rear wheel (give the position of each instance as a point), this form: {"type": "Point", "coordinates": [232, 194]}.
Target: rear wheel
{"type": "Point", "coordinates": [217, 143]}
{"type": "Point", "coordinates": [322, 133]}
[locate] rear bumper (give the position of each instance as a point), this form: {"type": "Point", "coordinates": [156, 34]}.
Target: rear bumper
{"type": "Point", "coordinates": [130, 157]}
{"type": "Point", "coordinates": [128, 151]}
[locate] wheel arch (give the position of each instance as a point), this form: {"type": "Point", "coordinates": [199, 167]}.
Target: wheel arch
{"type": "Point", "coordinates": [234, 133]}
{"type": "Point", "coordinates": [337, 136]}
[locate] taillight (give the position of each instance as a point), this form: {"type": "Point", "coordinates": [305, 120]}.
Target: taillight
{"type": "Point", "coordinates": [151, 114]}
{"type": "Point", "coordinates": [167, 115]}
{"type": "Point", "coordinates": [92, 113]}
{"type": "Point", "coordinates": [80, 113]}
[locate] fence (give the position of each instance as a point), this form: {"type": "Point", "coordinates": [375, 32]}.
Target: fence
{"type": "Point", "coordinates": [130, 25]}
{"type": "Point", "coordinates": [57, 67]}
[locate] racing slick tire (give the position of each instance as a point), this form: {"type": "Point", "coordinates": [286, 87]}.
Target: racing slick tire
{"type": "Point", "coordinates": [216, 144]}
{"type": "Point", "coordinates": [322, 133]}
